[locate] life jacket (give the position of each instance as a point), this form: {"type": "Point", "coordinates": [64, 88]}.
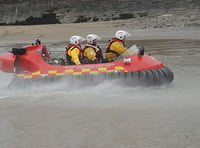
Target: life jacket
{"type": "Point", "coordinates": [97, 49]}
{"type": "Point", "coordinates": [110, 43]}
{"type": "Point", "coordinates": [71, 47]}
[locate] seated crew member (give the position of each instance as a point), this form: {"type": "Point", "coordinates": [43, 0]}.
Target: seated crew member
{"type": "Point", "coordinates": [92, 53]}
{"type": "Point", "coordinates": [74, 50]}
{"type": "Point", "coordinates": [116, 46]}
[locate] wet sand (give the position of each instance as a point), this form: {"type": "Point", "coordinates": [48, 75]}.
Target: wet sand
{"type": "Point", "coordinates": [106, 30]}
{"type": "Point", "coordinates": [107, 115]}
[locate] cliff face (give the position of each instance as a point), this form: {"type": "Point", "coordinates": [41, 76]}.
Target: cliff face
{"type": "Point", "coordinates": [68, 11]}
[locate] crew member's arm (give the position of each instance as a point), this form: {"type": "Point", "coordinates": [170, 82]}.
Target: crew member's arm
{"type": "Point", "coordinates": [118, 47]}
{"type": "Point", "coordinates": [90, 53]}
{"type": "Point", "coordinates": [75, 56]}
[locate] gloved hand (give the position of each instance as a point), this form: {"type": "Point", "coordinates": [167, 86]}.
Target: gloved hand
{"type": "Point", "coordinates": [95, 61]}
{"type": "Point", "coordinates": [77, 63]}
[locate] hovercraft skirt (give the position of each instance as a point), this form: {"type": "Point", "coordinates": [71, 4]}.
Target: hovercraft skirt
{"type": "Point", "coordinates": [143, 78]}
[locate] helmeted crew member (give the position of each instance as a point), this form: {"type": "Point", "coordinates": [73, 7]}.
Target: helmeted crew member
{"type": "Point", "coordinates": [92, 53]}
{"type": "Point", "coordinates": [116, 46]}
{"type": "Point", "coordinates": [74, 50]}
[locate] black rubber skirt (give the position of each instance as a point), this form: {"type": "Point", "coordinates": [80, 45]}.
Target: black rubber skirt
{"type": "Point", "coordinates": [147, 78]}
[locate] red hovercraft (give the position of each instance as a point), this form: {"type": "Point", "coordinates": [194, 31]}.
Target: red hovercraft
{"type": "Point", "coordinates": [133, 67]}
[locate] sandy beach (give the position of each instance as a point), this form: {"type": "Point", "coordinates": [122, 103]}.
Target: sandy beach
{"type": "Point", "coordinates": [106, 30]}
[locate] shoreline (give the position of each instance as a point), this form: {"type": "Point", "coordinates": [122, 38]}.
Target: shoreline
{"type": "Point", "coordinates": [56, 33]}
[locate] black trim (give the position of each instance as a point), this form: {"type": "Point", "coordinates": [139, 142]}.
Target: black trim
{"type": "Point", "coordinates": [18, 51]}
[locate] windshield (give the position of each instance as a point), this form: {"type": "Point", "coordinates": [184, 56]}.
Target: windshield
{"type": "Point", "coordinates": [131, 50]}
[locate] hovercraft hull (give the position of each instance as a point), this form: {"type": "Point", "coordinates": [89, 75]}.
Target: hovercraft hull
{"type": "Point", "coordinates": [134, 69]}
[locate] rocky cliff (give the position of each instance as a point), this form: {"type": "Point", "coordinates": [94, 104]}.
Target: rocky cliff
{"type": "Point", "coordinates": [26, 12]}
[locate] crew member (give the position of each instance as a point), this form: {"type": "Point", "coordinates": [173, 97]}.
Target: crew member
{"type": "Point", "coordinates": [74, 50]}
{"type": "Point", "coordinates": [92, 53]}
{"type": "Point", "coordinates": [116, 46]}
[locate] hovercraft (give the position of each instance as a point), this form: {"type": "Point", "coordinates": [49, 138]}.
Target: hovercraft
{"type": "Point", "coordinates": [134, 67]}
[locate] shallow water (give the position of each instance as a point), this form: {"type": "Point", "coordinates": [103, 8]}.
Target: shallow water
{"type": "Point", "coordinates": [67, 114]}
